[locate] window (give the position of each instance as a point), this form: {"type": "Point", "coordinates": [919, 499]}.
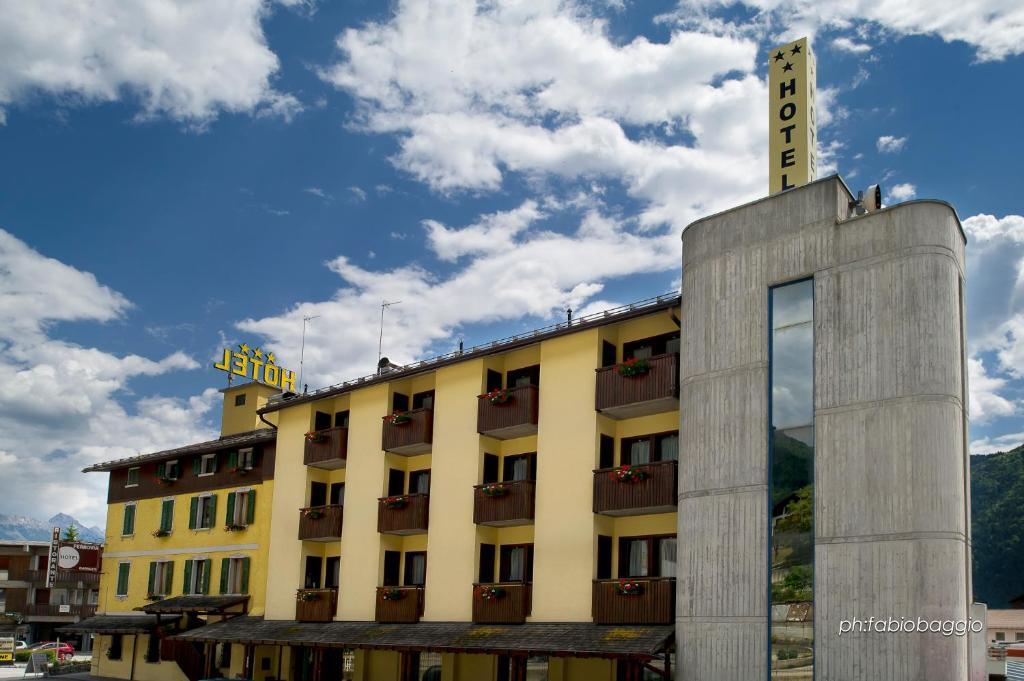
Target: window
{"type": "Point", "coordinates": [321, 421]}
{"type": "Point", "coordinates": [207, 464]}
{"type": "Point", "coordinates": [423, 400]}
{"type": "Point", "coordinates": [116, 646]}
{"type": "Point", "coordinates": [651, 347]}
{"type": "Point", "coordinates": [337, 494]}
{"type": "Point", "coordinates": [161, 577]}
{"type": "Point", "coordinates": [650, 448]}
{"type": "Point", "coordinates": [341, 419]}
{"type": "Point", "coordinates": [128, 526]}
{"type": "Point", "coordinates": [243, 459]}
{"type": "Point", "coordinates": [1019, 636]}
{"type": "Point", "coordinates": [241, 509]}
{"type": "Point", "coordinates": [647, 557]}
{"type": "Point", "coordinates": [202, 511]}
{"type": "Point", "coordinates": [419, 482]}
{"type": "Point", "coordinates": [168, 470]}
{"type": "Point", "coordinates": [240, 400]}
{"type": "Point", "coordinates": [332, 576]}
{"type": "Point", "coordinates": [317, 494]}
{"type": "Point", "coordinates": [166, 515]}
{"type": "Point", "coordinates": [392, 562]}
{"type": "Point", "coordinates": [234, 576]}
{"type": "Point", "coordinates": [516, 563]}
{"type": "Point", "coordinates": [415, 568]}
{"type": "Point", "coordinates": [123, 570]}
{"type": "Point", "coordinates": [1000, 635]}
{"type": "Point", "coordinates": [314, 566]}
{"type": "Point", "coordinates": [152, 649]}
{"type": "Point", "coordinates": [520, 467]}
{"type": "Point", "coordinates": [197, 576]}
{"type": "Point", "coordinates": [399, 402]}
{"type": "Point", "coordinates": [421, 666]}
{"type": "Point", "coordinates": [525, 376]}
{"type": "Point", "coordinates": [224, 656]}
{"type": "Point", "coordinates": [133, 477]}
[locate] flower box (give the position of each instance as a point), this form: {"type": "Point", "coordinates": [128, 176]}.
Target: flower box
{"type": "Point", "coordinates": [393, 594]}
{"type": "Point", "coordinates": [498, 396]}
{"type": "Point", "coordinates": [398, 418]}
{"type": "Point", "coordinates": [315, 436]}
{"type": "Point", "coordinates": [313, 513]}
{"type": "Point", "coordinates": [629, 587]}
{"type": "Point", "coordinates": [303, 595]}
{"type": "Point", "coordinates": [633, 367]}
{"type": "Point", "coordinates": [627, 474]}
{"type": "Point", "coordinates": [396, 502]}
{"type": "Point", "coordinates": [491, 593]}
{"type": "Point", "coordinates": [234, 527]}
{"type": "Point", "coordinates": [161, 533]}
{"type": "Point", "coordinates": [495, 490]}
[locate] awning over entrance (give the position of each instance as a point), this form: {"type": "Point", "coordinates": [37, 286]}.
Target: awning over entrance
{"type": "Point", "coordinates": [198, 604]}
{"type": "Point", "coordinates": [576, 639]}
{"type": "Point", "coordinates": [112, 624]}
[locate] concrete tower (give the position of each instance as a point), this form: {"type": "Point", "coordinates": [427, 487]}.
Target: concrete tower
{"type": "Point", "coordinates": [884, 439]}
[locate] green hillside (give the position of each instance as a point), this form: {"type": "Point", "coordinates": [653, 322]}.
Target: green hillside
{"type": "Point", "coordinates": [997, 526]}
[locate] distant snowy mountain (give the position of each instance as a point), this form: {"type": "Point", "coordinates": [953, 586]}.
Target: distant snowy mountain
{"type": "Point", "coordinates": [23, 528]}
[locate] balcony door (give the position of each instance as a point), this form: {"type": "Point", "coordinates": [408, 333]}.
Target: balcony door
{"type": "Point", "coordinates": [647, 556]}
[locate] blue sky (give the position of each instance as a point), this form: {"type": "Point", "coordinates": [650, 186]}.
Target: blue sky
{"type": "Point", "coordinates": [178, 176]}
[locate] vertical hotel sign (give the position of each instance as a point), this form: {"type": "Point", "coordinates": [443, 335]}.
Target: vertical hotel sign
{"type": "Point", "coordinates": [792, 127]}
{"type": "Point", "coordinates": [51, 564]}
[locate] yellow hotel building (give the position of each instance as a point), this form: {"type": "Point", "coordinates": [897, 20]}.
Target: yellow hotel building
{"type": "Point", "coordinates": [499, 514]}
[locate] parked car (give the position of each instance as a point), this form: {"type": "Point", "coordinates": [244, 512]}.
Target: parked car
{"type": "Point", "coordinates": [20, 645]}
{"type": "Point", "coordinates": [62, 649]}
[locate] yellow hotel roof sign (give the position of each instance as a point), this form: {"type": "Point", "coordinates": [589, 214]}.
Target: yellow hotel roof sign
{"type": "Point", "coordinates": [792, 126]}
{"type": "Point", "coordinates": [259, 366]}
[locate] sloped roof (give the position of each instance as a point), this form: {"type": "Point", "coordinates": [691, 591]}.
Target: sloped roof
{"type": "Point", "coordinates": [228, 441]}
{"type": "Point", "coordinates": [194, 603]}
{"type": "Point", "coordinates": [112, 624]}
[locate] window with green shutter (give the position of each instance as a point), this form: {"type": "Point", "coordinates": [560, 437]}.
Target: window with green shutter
{"type": "Point", "coordinates": [128, 527]}
{"type": "Point", "coordinates": [204, 586]}
{"type": "Point", "coordinates": [225, 568]}
{"type": "Point", "coordinates": [151, 587]}
{"type": "Point", "coordinates": [168, 577]}
{"type": "Point", "coordinates": [123, 570]}
{"type": "Point", "coordinates": [186, 586]}
{"type": "Point", "coordinates": [229, 514]}
{"type": "Point", "coordinates": [166, 515]}
{"type": "Point", "coordinates": [244, 586]}
{"type": "Point", "coordinates": [250, 511]}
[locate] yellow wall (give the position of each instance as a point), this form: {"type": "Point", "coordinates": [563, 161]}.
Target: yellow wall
{"type": "Point", "coordinates": [243, 418]}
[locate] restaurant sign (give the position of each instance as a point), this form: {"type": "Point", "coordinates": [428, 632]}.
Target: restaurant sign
{"type": "Point", "coordinates": [255, 364]}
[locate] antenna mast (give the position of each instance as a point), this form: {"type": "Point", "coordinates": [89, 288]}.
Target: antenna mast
{"type": "Point", "coordinates": [302, 352]}
{"type": "Point", "coordinates": [380, 341]}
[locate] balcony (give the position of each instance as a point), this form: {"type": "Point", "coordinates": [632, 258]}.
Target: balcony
{"type": "Point", "coordinates": [406, 514]}
{"type": "Point", "coordinates": [653, 392]}
{"type": "Point", "coordinates": [508, 603]}
{"type": "Point", "coordinates": [654, 603]}
{"type": "Point", "coordinates": [57, 610]}
{"type": "Point", "coordinates": [320, 523]}
{"type": "Point", "coordinates": [651, 489]}
{"type": "Point", "coordinates": [62, 577]}
{"type": "Point", "coordinates": [503, 504]}
{"type": "Point", "coordinates": [329, 451]}
{"type": "Point", "coordinates": [516, 417]}
{"type": "Point", "coordinates": [402, 604]}
{"type": "Point", "coordinates": [315, 605]}
{"type": "Point", "coordinates": [410, 433]}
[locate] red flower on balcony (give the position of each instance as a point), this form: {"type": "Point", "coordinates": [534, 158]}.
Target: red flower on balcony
{"type": "Point", "coordinates": [629, 587]}
{"type": "Point", "coordinates": [497, 396]}
{"type": "Point", "coordinates": [636, 366]}
{"type": "Point", "coordinates": [392, 594]}
{"type": "Point", "coordinates": [395, 502]}
{"type": "Point", "coordinates": [398, 418]}
{"type": "Point", "coordinates": [495, 490]}
{"type": "Point", "coordinates": [315, 436]}
{"type": "Point", "coordinates": [627, 473]}
{"type": "Point", "coordinates": [489, 592]}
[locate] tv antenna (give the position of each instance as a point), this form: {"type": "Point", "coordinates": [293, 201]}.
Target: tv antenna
{"type": "Point", "coordinates": [302, 353]}
{"type": "Point", "coordinates": [380, 341]}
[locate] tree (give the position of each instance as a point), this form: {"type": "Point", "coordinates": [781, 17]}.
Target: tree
{"type": "Point", "coordinates": [71, 533]}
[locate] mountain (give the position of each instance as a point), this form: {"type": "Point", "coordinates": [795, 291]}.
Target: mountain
{"type": "Point", "coordinates": [997, 526]}
{"type": "Point", "coordinates": [23, 528]}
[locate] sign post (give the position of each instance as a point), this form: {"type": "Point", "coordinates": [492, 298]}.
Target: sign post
{"type": "Point", "coordinates": [792, 123]}
{"type": "Point", "coordinates": [51, 565]}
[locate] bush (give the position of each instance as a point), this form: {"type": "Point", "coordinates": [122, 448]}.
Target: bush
{"type": "Point", "coordinates": [23, 655]}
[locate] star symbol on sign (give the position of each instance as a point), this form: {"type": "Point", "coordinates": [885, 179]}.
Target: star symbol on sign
{"type": "Point", "coordinates": [257, 353]}
{"type": "Point", "coordinates": [787, 67]}
{"type": "Point", "coordinates": [244, 348]}
{"type": "Point", "coordinates": [795, 50]}
{"type": "Point", "coordinates": [779, 56]}
{"type": "Point", "coordinates": [270, 358]}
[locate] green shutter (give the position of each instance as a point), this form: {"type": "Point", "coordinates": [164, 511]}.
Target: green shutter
{"type": "Point", "coordinates": [225, 565]}
{"type": "Point", "coordinates": [186, 586]}
{"type": "Point", "coordinates": [245, 576]}
{"type": "Point", "coordinates": [197, 463]}
{"type": "Point", "coordinates": [250, 514]}
{"type": "Point", "coordinates": [161, 470]}
{"type": "Point", "coordinates": [233, 460]}
{"type": "Point", "coordinates": [129, 520]}
{"type": "Point", "coordinates": [216, 460]}
{"type": "Point", "coordinates": [213, 510]}
{"type": "Point", "coordinates": [152, 578]}
{"type": "Point", "coordinates": [169, 578]}
{"type": "Point", "coordinates": [193, 507]}
{"type": "Point", "coordinates": [207, 568]}
{"type": "Point", "coordinates": [166, 514]}
{"type": "Point", "coordinates": [229, 517]}
{"type": "Point", "coordinates": [122, 578]}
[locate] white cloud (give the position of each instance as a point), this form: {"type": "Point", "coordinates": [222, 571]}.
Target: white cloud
{"type": "Point", "coordinates": [493, 233]}
{"type": "Point", "coordinates": [61, 407]}
{"type": "Point", "coordinates": [986, 402]}
{"type": "Point", "coordinates": [901, 192]}
{"type": "Point", "coordinates": [188, 61]}
{"type": "Point", "coordinates": [889, 144]}
{"type": "Point", "coordinates": [319, 193]}
{"type": "Point", "coordinates": [844, 44]}
{"type": "Point", "coordinates": [357, 194]}
{"type": "Point", "coordinates": [1001, 443]}
{"type": "Point", "coordinates": [994, 28]}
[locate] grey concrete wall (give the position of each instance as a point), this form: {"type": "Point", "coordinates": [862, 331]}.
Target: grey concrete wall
{"type": "Point", "coordinates": [890, 490]}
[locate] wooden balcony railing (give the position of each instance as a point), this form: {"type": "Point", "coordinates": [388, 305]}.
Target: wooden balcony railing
{"type": "Point", "coordinates": [515, 417]}
{"type": "Point", "coordinates": [18, 571]}
{"type": "Point", "coordinates": [316, 605]}
{"type": "Point", "coordinates": [321, 523]}
{"type": "Point", "coordinates": [504, 603]}
{"type": "Point", "coordinates": [655, 603]}
{"type": "Point", "coordinates": [501, 504]}
{"type": "Point", "coordinates": [402, 604]}
{"type": "Point", "coordinates": [651, 490]}
{"type": "Point", "coordinates": [330, 451]}
{"type": "Point", "coordinates": [408, 436]}
{"type": "Point", "coordinates": [652, 392]}
{"type": "Point", "coordinates": [57, 610]}
{"type": "Point", "coordinates": [62, 577]}
{"type": "Point", "coordinates": [407, 514]}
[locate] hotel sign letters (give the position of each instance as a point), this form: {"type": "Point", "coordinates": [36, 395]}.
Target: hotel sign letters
{"type": "Point", "coordinates": [255, 364]}
{"type": "Point", "coordinates": [792, 127]}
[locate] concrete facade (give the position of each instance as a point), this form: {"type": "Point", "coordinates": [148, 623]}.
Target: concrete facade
{"type": "Point", "coordinates": [891, 501]}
